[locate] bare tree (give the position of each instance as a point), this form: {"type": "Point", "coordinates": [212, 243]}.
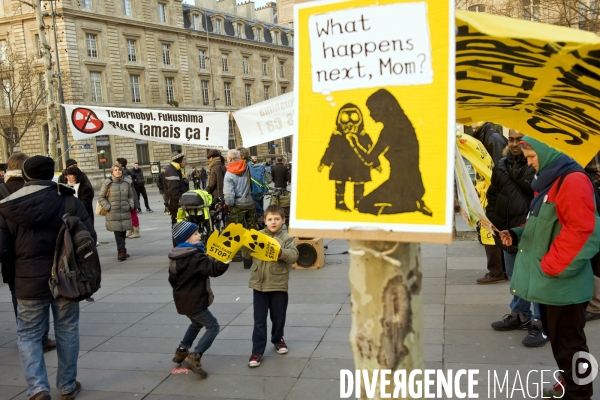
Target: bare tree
{"type": "Point", "coordinates": [22, 91]}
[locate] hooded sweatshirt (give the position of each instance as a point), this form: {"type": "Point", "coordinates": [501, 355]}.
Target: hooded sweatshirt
{"type": "Point", "coordinates": [236, 186]}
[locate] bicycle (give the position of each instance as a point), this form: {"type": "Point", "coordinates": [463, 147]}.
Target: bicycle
{"type": "Point", "coordinates": [275, 198]}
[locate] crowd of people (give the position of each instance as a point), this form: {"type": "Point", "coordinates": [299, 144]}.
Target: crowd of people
{"type": "Point", "coordinates": [32, 205]}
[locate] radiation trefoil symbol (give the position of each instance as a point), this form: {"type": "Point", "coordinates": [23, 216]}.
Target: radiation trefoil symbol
{"type": "Point", "coordinates": [263, 247]}
{"type": "Point", "coordinates": [224, 246]}
{"type": "Point", "coordinates": [86, 121]}
{"type": "Point", "coordinates": [255, 243]}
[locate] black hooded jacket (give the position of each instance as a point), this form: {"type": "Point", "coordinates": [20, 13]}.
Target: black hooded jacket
{"type": "Point", "coordinates": [189, 272]}
{"type": "Point", "coordinates": [493, 141]}
{"type": "Point", "coordinates": [30, 220]}
{"type": "Point", "coordinates": [510, 193]}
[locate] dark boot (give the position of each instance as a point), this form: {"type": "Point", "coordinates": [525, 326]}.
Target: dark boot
{"type": "Point", "coordinates": [122, 255]}
{"type": "Point", "coordinates": [340, 189]}
{"type": "Point", "coordinates": [359, 191]}
{"type": "Point", "coordinates": [494, 265]}
{"type": "Point", "coordinates": [193, 362]}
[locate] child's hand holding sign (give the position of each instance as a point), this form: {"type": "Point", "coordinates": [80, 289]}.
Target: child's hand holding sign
{"type": "Point", "coordinates": [224, 246]}
{"type": "Point", "coordinates": [263, 247]}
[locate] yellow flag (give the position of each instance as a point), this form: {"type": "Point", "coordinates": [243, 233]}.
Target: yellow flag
{"type": "Point", "coordinates": [263, 247]}
{"type": "Point", "coordinates": [224, 246]}
{"type": "Point", "coordinates": [543, 80]}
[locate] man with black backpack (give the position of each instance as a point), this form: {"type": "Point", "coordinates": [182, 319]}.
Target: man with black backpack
{"type": "Point", "coordinates": [30, 222]}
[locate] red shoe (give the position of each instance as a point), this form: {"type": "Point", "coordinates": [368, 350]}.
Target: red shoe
{"type": "Point", "coordinates": [281, 347]}
{"type": "Point", "coordinates": [255, 360]}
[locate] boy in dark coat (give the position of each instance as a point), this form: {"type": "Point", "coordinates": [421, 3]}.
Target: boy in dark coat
{"type": "Point", "coordinates": [189, 272]}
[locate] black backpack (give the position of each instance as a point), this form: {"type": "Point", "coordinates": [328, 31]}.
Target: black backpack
{"type": "Point", "coordinates": [76, 270]}
{"type": "Point", "coordinates": [596, 259]}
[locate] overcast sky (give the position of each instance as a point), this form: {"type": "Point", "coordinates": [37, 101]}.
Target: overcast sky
{"type": "Point", "coordinates": [257, 3]}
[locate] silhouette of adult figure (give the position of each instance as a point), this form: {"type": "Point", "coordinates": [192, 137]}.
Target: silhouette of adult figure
{"type": "Point", "coordinates": [403, 191]}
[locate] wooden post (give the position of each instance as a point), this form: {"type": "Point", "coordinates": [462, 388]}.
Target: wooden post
{"type": "Point", "coordinates": [387, 315]}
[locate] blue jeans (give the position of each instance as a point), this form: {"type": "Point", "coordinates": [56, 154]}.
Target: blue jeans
{"type": "Point", "coordinates": [202, 319]}
{"type": "Point", "coordinates": [45, 338]}
{"type": "Point", "coordinates": [519, 305]}
{"type": "Point", "coordinates": [31, 322]}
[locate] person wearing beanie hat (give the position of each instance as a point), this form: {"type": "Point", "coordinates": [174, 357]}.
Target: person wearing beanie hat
{"type": "Point", "coordinates": [70, 163]}
{"type": "Point", "coordinates": [175, 183]}
{"type": "Point", "coordinates": [30, 221]}
{"type": "Point", "coordinates": [216, 173]}
{"type": "Point", "coordinates": [189, 272]}
{"type": "Point", "coordinates": [116, 197]}
{"type": "Point", "coordinates": [84, 180]}
{"type": "Point", "coordinates": [553, 267]}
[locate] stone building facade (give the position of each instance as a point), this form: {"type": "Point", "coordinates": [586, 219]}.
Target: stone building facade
{"type": "Point", "coordinates": [160, 54]}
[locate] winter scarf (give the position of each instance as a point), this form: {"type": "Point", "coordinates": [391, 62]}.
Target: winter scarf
{"type": "Point", "coordinates": [200, 246]}
{"type": "Point", "coordinates": [551, 165]}
{"type": "Point", "coordinates": [178, 168]}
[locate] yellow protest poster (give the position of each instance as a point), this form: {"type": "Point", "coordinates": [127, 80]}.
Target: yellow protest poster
{"type": "Point", "coordinates": [375, 120]}
{"type": "Point", "coordinates": [224, 246]}
{"type": "Point", "coordinates": [263, 247]}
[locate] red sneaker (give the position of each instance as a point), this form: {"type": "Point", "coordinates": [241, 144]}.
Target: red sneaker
{"type": "Point", "coordinates": [255, 360]}
{"type": "Point", "coordinates": [281, 347]}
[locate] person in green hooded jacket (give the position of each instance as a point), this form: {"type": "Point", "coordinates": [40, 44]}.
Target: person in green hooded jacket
{"type": "Point", "coordinates": [553, 267]}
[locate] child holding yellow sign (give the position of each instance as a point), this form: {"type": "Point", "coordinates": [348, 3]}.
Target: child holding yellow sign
{"type": "Point", "coordinates": [269, 279]}
{"type": "Point", "coordinates": [189, 272]}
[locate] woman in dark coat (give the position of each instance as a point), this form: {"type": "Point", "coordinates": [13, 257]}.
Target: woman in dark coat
{"type": "Point", "coordinates": [82, 191]}
{"type": "Point", "coordinates": [403, 192]}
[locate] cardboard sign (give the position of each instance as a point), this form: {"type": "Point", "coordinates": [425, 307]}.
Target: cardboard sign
{"type": "Point", "coordinates": [188, 128]}
{"type": "Point", "coordinates": [224, 247]}
{"type": "Point", "coordinates": [263, 247]}
{"type": "Point", "coordinates": [375, 120]}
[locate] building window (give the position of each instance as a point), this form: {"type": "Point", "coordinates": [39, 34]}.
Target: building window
{"type": "Point", "coordinates": [227, 94]}
{"type": "Point", "coordinates": [136, 93]}
{"type": "Point", "coordinates": [177, 148]}
{"type": "Point", "coordinates": [265, 69]}
{"type": "Point", "coordinates": [477, 8]}
{"type": "Point", "coordinates": [288, 144]}
{"type": "Point", "coordinates": [231, 143]}
{"type": "Point", "coordinates": [162, 12]}
{"type": "Point", "coordinates": [246, 66]}
{"type": "Point", "coordinates": [131, 54]}
{"type": "Point", "coordinates": [258, 35]}
{"type": "Point", "coordinates": [218, 26]}
{"type": "Point", "coordinates": [253, 151]}
{"type": "Point", "coordinates": [283, 89]}
{"type": "Point", "coordinates": [248, 90]}
{"type": "Point", "coordinates": [143, 155]}
{"type": "Point", "coordinates": [166, 54]}
{"type": "Point", "coordinates": [170, 87]}
{"type": "Point", "coordinates": [92, 48]}
{"type": "Point", "coordinates": [6, 89]}
{"type": "Point", "coordinates": [127, 8]}
{"type": "Point", "coordinates": [225, 62]}
{"type": "Point", "coordinates": [196, 22]}
{"type": "Point", "coordinates": [96, 86]}
{"type": "Point", "coordinates": [531, 10]}
{"type": "Point", "coordinates": [103, 143]}
{"type": "Point", "coordinates": [42, 83]}
{"type": "Point", "coordinates": [205, 93]}
{"type": "Point", "coordinates": [202, 57]}
{"type": "Point", "coordinates": [38, 46]}
{"type": "Point", "coordinates": [291, 41]}
{"type": "Point", "coordinates": [238, 30]}
{"type": "Point", "coordinates": [87, 4]}
{"type": "Point", "coordinates": [282, 69]}
{"type": "Point", "coordinates": [267, 92]}
{"type": "Point", "coordinates": [2, 50]}
{"type": "Point", "coordinates": [275, 37]}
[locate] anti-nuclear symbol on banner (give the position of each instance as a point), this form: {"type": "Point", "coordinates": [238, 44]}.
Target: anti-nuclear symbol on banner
{"type": "Point", "coordinates": [224, 246]}
{"type": "Point", "coordinates": [263, 247]}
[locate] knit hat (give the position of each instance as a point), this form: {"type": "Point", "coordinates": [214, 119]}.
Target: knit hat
{"type": "Point", "coordinates": [70, 162]}
{"type": "Point", "coordinates": [183, 230]}
{"type": "Point", "coordinates": [177, 157]}
{"type": "Point", "coordinates": [38, 168]}
{"type": "Point", "coordinates": [213, 153]}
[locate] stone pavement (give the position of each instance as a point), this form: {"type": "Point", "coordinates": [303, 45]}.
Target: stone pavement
{"type": "Point", "coordinates": [129, 334]}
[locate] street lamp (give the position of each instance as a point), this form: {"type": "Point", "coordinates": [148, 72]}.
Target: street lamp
{"type": "Point", "coordinates": [102, 159]}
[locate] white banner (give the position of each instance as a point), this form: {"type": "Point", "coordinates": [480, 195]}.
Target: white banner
{"type": "Point", "coordinates": [266, 121]}
{"type": "Point", "coordinates": [186, 128]}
